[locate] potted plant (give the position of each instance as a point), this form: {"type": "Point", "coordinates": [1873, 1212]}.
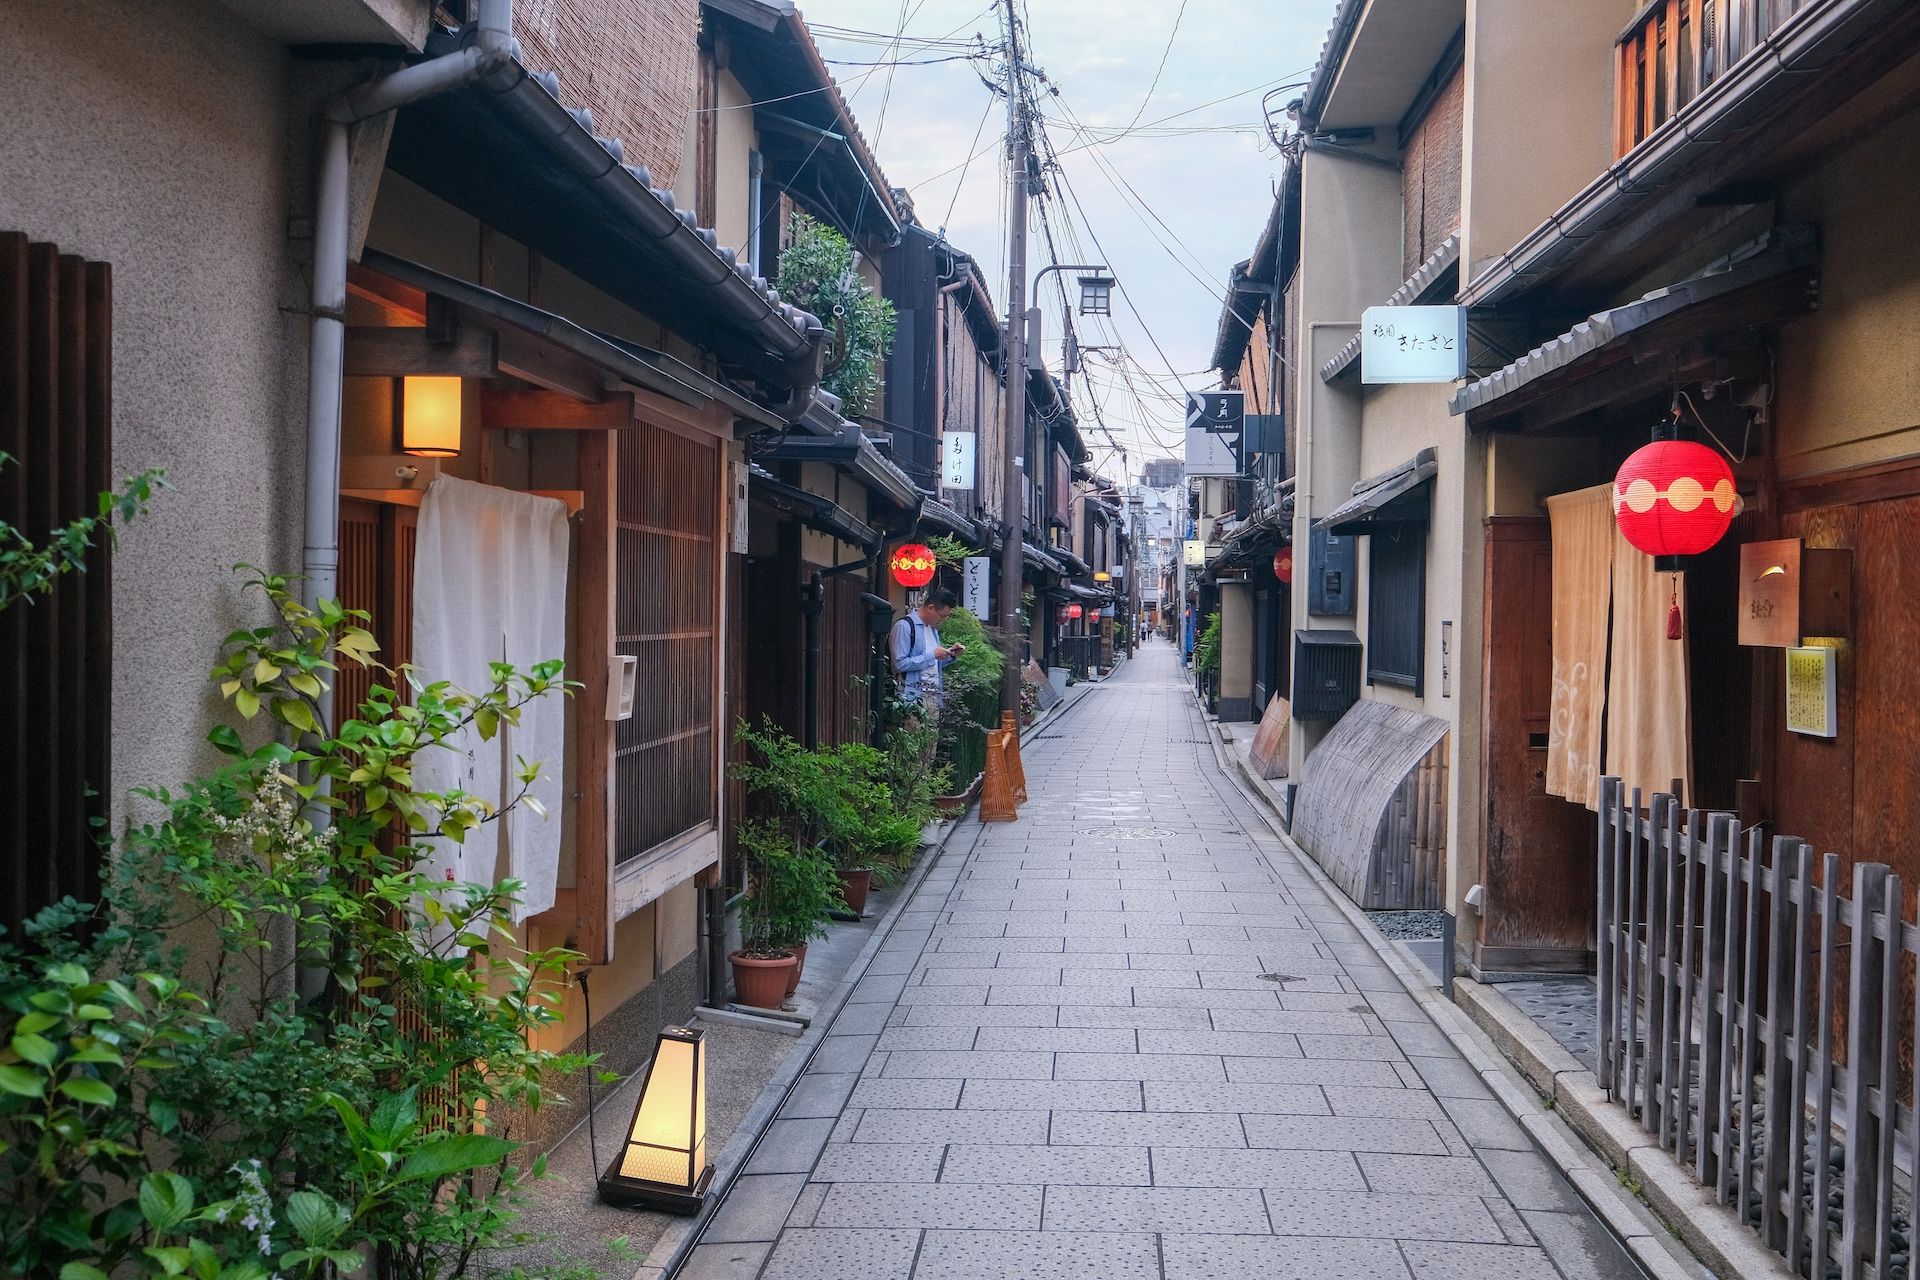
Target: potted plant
{"type": "Point", "coordinates": [970, 708]}
{"type": "Point", "coordinates": [764, 965]}
{"type": "Point", "coordinates": [789, 846]}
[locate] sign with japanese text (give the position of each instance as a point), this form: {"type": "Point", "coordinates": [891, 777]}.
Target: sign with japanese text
{"type": "Point", "coordinates": [1194, 553]}
{"type": "Point", "coordinates": [1811, 705]}
{"type": "Point", "coordinates": [956, 459]}
{"type": "Point", "coordinates": [974, 586]}
{"type": "Point", "coordinates": [1413, 344]}
{"type": "Point", "coordinates": [1215, 422]}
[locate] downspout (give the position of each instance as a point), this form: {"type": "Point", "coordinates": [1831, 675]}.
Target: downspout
{"type": "Point", "coordinates": [488, 48]}
{"type": "Point", "coordinates": [756, 168]}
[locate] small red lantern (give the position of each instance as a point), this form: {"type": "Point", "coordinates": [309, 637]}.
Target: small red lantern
{"type": "Point", "coordinates": [1072, 612]}
{"type": "Point", "coordinates": [1283, 564]}
{"type": "Point", "coordinates": [912, 564]}
{"type": "Point", "coordinates": [1674, 498]}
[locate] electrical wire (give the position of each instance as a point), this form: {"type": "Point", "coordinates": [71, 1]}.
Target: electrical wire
{"type": "Point", "coordinates": [1159, 70]}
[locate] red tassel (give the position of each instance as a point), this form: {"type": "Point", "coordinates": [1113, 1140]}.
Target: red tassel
{"type": "Point", "coordinates": [1674, 631]}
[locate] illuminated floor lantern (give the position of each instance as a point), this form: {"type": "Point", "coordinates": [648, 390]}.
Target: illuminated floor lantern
{"type": "Point", "coordinates": [663, 1161]}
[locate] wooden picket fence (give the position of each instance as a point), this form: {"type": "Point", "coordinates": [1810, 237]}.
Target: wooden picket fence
{"type": "Point", "coordinates": [1755, 1021]}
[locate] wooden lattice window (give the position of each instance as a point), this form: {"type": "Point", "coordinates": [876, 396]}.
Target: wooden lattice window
{"type": "Point", "coordinates": [56, 653]}
{"type": "Point", "coordinates": [1674, 49]}
{"type": "Point", "coordinates": [666, 616]}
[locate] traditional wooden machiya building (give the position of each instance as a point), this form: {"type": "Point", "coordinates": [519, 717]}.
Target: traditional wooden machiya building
{"type": "Point", "coordinates": [1715, 246]}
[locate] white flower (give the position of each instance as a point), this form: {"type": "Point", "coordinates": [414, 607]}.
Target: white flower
{"type": "Point", "coordinates": [251, 1222]}
{"type": "Point", "coordinates": [266, 1245]}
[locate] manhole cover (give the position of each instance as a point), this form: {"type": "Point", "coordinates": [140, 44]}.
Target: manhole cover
{"type": "Point", "coordinates": [1128, 833]}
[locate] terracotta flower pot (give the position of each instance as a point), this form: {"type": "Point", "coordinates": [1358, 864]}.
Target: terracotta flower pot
{"type": "Point", "coordinates": [854, 884]}
{"type": "Point", "coordinates": [799, 964]}
{"type": "Point", "coordinates": [759, 982]}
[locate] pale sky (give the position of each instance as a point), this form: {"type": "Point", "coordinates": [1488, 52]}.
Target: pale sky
{"type": "Point", "coordinates": [1207, 172]}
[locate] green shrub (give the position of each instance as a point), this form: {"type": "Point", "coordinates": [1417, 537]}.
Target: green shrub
{"type": "Point", "coordinates": [818, 273]}
{"type": "Point", "coordinates": [1206, 649]}
{"type": "Point", "coordinates": [168, 1115]}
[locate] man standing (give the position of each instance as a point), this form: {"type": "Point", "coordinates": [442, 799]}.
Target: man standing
{"type": "Point", "coordinates": [918, 656]}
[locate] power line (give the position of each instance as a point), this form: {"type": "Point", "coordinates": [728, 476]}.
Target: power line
{"type": "Point", "coordinates": [1157, 71]}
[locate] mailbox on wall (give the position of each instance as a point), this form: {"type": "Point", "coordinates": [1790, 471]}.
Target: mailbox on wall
{"type": "Point", "coordinates": [1330, 571]}
{"type": "Point", "coordinates": [1789, 592]}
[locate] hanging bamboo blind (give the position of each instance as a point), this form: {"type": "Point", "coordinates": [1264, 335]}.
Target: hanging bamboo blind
{"type": "Point", "coordinates": [665, 616]}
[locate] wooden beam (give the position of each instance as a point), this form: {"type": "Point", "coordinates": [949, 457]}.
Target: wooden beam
{"type": "Point", "coordinates": [394, 353]}
{"type": "Point", "coordinates": [524, 356]}
{"type": "Point", "coordinates": [552, 411]}
{"type": "Point", "coordinates": [385, 292]}
{"type": "Point", "coordinates": [574, 499]}
{"type": "Point", "coordinates": [593, 784]}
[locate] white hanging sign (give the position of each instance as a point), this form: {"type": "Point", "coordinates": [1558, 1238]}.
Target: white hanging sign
{"type": "Point", "coordinates": [974, 586]}
{"type": "Point", "coordinates": [1413, 344]}
{"type": "Point", "coordinates": [956, 460]}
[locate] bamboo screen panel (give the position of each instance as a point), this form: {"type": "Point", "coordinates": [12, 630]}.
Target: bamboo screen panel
{"type": "Point", "coordinates": [56, 653]}
{"type": "Point", "coordinates": [669, 517]}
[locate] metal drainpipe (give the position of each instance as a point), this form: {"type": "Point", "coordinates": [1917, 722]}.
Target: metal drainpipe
{"type": "Point", "coordinates": [489, 48]}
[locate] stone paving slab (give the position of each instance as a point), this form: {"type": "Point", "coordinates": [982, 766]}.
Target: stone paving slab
{"type": "Point", "coordinates": [1100, 1053]}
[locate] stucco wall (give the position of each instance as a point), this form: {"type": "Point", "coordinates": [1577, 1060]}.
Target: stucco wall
{"type": "Point", "coordinates": [1849, 383]}
{"type": "Point", "coordinates": [1539, 85]}
{"type": "Point", "coordinates": [153, 135]}
{"type": "Point", "coordinates": [734, 139]}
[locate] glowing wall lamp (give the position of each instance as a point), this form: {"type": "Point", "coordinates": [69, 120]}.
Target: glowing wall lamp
{"type": "Point", "coordinates": [663, 1162]}
{"type": "Point", "coordinates": [430, 417]}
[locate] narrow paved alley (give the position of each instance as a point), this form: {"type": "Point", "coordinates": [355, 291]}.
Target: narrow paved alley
{"type": "Point", "coordinates": [1128, 1036]}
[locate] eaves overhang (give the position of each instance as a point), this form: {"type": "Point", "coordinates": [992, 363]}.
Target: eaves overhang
{"type": "Point", "coordinates": [1416, 288]}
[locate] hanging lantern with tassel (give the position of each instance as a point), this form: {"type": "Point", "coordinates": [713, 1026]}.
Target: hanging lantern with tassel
{"type": "Point", "coordinates": [1673, 499]}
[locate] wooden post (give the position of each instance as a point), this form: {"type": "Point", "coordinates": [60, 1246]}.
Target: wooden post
{"type": "Point", "coordinates": [1673, 1049]}
{"type": "Point", "coordinates": [1797, 1147]}
{"type": "Point", "coordinates": [1888, 1075]}
{"type": "Point", "coordinates": [1630, 1008]}
{"type": "Point", "coordinates": [1777, 1177]}
{"type": "Point", "coordinates": [1864, 994]}
{"type": "Point", "coordinates": [1605, 931]}
{"type": "Point", "coordinates": [1690, 870]}
{"type": "Point", "coordinates": [1750, 1063]}
{"type": "Point", "coordinates": [1823, 1059]}
{"type": "Point", "coordinates": [1713, 922]}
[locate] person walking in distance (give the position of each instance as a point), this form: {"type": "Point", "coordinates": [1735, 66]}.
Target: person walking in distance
{"type": "Point", "coordinates": [918, 655]}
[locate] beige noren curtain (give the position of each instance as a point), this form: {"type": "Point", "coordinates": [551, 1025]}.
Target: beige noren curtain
{"type": "Point", "coordinates": [1649, 720]}
{"type": "Point", "coordinates": [1583, 536]}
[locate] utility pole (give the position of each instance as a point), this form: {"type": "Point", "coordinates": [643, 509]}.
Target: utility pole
{"type": "Point", "coordinates": [1012, 491]}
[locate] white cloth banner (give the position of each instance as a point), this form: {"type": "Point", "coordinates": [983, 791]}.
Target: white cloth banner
{"type": "Point", "coordinates": [490, 585]}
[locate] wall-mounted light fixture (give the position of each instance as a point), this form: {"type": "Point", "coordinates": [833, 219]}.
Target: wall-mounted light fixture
{"type": "Point", "coordinates": [430, 416]}
{"type": "Point", "coordinates": [662, 1164]}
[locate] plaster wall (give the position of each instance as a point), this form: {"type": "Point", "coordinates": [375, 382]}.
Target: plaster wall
{"type": "Point", "coordinates": [1849, 387]}
{"type": "Point", "coordinates": [153, 135]}
{"type": "Point", "coordinates": [1236, 651]}
{"type": "Point", "coordinates": [734, 139]}
{"type": "Point", "coordinates": [1350, 247]}
{"type": "Point", "coordinates": [1539, 87]}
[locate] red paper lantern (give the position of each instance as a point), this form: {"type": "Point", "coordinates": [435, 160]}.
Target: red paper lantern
{"type": "Point", "coordinates": [1071, 612]}
{"type": "Point", "coordinates": [1283, 564]}
{"type": "Point", "coordinates": [912, 564]}
{"type": "Point", "coordinates": [1674, 498]}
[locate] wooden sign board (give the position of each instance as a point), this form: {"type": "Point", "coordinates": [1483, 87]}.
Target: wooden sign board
{"type": "Point", "coordinates": [1789, 592]}
{"type": "Point", "coordinates": [1811, 686]}
{"type": "Point", "coordinates": [1269, 754]}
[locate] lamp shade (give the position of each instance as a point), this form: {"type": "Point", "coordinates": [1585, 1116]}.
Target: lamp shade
{"type": "Point", "coordinates": [662, 1163]}
{"type": "Point", "coordinates": [1674, 498]}
{"type": "Point", "coordinates": [430, 417]}
{"type": "Point", "coordinates": [1283, 564]}
{"type": "Point", "coordinates": [1072, 612]}
{"type": "Point", "coordinates": [912, 564]}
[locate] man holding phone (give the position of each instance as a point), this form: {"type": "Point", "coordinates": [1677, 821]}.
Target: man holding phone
{"type": "Point", "coordinates": [917, 652]}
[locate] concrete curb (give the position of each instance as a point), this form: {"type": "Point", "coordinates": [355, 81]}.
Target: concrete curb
{"type": "Point", "coordinates": [1716, 1237]}
{"type": "Point", "coordinates": [1650, 1246]}
{"type": "Point", "coordinates": [678, 1243]}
